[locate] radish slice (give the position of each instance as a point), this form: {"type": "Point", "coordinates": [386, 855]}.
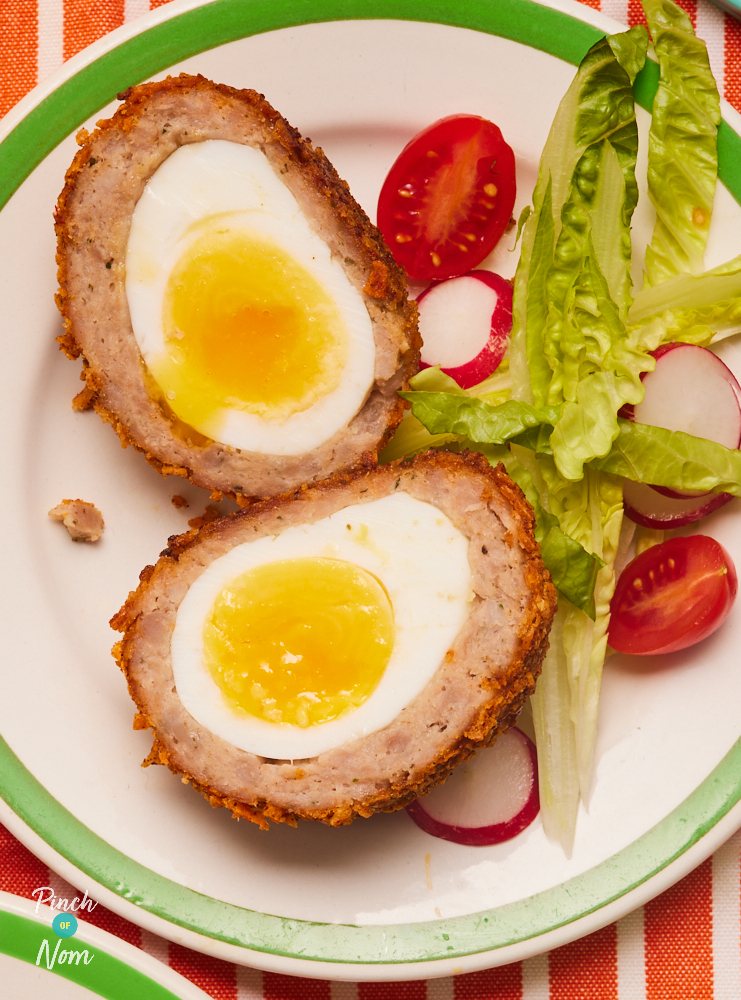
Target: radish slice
{"type": "Point", "coordinates": [691, 390]}
{"type": "Point", "coordinates": [489, 799]}
{"type": "Point", "coordinates": [646, 506]}
{"type": "Point", "coordinates": [465, 324]}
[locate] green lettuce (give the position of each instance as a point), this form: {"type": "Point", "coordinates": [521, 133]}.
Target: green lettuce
{"type": "Point", "coordinates": [671, 458]}
{"type": "Point", "coordinates": [601, 371]}
{"type": "Point", "coordinates": [573, 569]}
{"type": "Point", "coordinates": [558, 775]}
{"type": "Point", "coordinates": [697, 309]}
{"type": "Point", "coordinates": [598, 106]}
{"type": "Point", "coordinates": [682, 145]}
{"type": "Point", "coordinates": [591, 512]}
{"type": "Point", "coordinates": [411, 436]}
{"type": "Point", "coordinates": [479, 421]}
{"type": "Point", "coordinates": [572, 288]}
{"type": "Point", "coordinates": [640, 452]}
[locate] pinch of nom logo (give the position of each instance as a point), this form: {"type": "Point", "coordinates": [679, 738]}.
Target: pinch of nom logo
{"type": "Point", "coordinates": [64, 926]}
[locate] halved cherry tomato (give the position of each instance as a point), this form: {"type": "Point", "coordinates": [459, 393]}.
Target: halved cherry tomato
{"type": "Point", "coordinates": [448, 198]}
{"type": "Point", "coordinates": [672, 596]}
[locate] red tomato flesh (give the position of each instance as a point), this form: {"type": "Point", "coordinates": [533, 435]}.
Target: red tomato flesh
{"type": "Point", "coordinates": [448, 198]}
{"type": "Point", "coordinates": [672, 596]}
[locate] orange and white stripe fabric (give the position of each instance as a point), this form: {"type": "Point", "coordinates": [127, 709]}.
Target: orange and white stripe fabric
{"type": "Point", "coordinates": [684, 945]}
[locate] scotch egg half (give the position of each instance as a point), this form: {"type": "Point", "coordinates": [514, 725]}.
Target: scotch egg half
{"type": "Point", "coordinates": [240, 320]}
{"type": "Point", "coordinates": [338, 650]}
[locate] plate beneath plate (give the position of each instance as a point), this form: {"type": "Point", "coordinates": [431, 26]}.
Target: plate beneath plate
{"type": "Point", "coordinates": [398, 903]}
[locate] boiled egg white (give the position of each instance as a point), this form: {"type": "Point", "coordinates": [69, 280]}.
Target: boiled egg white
{"type": "Point", "coordinates": [294, 644]}
{"type": "Point", "coordinates": [252, 331]}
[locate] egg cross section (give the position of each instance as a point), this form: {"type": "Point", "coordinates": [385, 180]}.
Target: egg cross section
{"type": "Point", "coordinates": [300, 640]}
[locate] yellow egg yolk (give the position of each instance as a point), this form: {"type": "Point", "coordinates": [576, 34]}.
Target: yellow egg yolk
{"type": "Point", "coordinates": [300, 641]}
{"type": "Point", "coordinates": [248, 328]}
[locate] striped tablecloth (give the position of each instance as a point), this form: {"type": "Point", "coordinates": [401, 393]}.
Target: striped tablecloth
{"type": "Point", "coordinates": [684, 945]}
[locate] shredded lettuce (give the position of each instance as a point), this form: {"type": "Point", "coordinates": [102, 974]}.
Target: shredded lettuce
{"type": "Point", "coordinates": [682, 145]}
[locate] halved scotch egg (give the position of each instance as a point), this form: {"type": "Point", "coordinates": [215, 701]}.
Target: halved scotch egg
{"type": "Point", "coordinates": [336, 651]}
{"type": "Point", "coordinates": [240, 320]}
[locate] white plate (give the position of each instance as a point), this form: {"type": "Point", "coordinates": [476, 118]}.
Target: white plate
{"type": "Point", "coordinates": [398, 903]}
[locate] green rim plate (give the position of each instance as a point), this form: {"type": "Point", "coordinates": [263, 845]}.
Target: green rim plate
{"type": "Point", "coordinates": [40, 131]}
{"type": "Point", "coordinates": [105, 975]}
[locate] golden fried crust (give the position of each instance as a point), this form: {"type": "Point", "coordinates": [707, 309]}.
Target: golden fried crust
{"type": "Point", "coordinates": [473, 698]}
{"type": "Point", "coordinates": [92, 224]}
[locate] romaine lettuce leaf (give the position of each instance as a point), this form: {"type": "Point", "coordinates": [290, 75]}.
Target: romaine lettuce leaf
{"type": "Point", "coordinates": [411, 437]}
{"type": "Point", "coordinates": [682, 144]}
{"type": "Point", "coordinates": [597, 106]}
{"type": "Point", "coordinates": [671, 458]}
{"type": "Point", "coordinates": [573, 569]}
{"type": "Point", "coordinates": [700, 309]}
{"type": "Point", "coordinates": [601, 371]}
{"type": "Point", "coordinates": [444, 413]}
{"type": "Point", "coordinates": [558, 774]}
{"type": "Point", "coordinates": [590, 511]}
{"type": "Point", "coordinates": [572, 289]}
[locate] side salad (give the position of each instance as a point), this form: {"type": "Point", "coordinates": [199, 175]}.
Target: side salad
{"type": "Point", "coordinates": [562, 410]}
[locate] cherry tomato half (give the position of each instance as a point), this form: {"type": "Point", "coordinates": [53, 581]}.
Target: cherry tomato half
{"type": "Point", "coordinates": [448, 198]}
{"type": "Point", "coordinates": [672, 596]}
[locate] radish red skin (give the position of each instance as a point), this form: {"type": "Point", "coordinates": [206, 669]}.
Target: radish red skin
{"type": "Point", "coordinates": [483, 836]}
{"type": "Point", "coordinates": [486, 362]}
{"type": "Point", "coordinates": [675, 513]}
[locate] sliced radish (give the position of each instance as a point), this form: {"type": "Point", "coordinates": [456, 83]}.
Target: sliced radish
{"type": "Point", "coordinates": [646, 506]}
{"type": "Point", "coordinates": [691, 390]}
{"type": "Point", "coordinates": [489, 799]}
{"type": "Point", "coordinates": [465, 324]}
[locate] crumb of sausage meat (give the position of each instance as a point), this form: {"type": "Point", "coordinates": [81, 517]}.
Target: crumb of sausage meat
{"type": "Point", "coordinates": [83, 520]}
{"type": "Point", "coordinates": [178, 501]}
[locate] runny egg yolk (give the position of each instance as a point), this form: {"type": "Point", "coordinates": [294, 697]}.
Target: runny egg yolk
{"type": "Point", "coordinates": [246, 327]}
{"type": "Point", "coordinates": [300, 641]}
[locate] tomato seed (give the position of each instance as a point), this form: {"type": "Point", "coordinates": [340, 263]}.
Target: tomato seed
{"type": "Point", "coordinates": [491, 190]}
{"type": "Point", "coordinates": [402, 237]}
{"type": "Point", "coordinates": [638, 583]}
{"type": "Point", "coordinates": [435, 259]}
